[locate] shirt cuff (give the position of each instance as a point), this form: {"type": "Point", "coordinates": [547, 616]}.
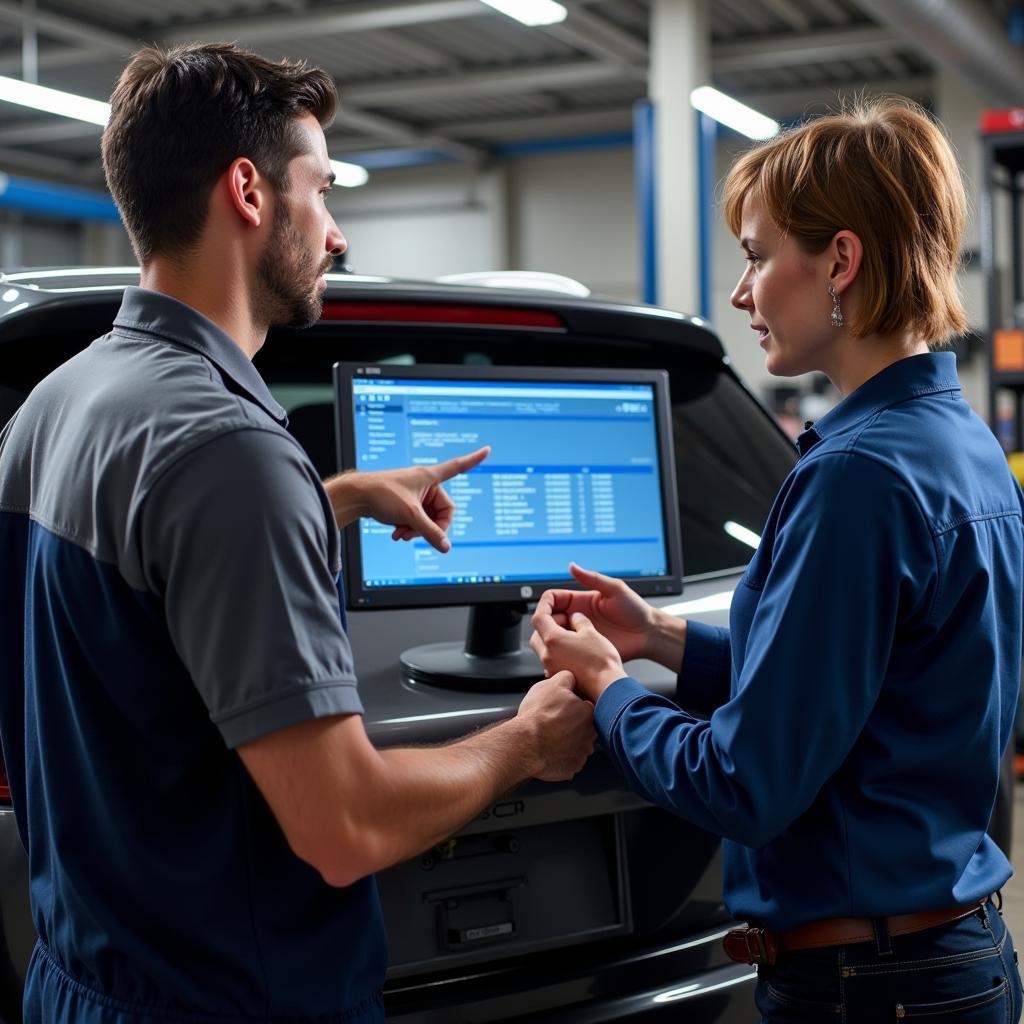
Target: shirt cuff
{"type": "Point", "coordinates": [704, 676]}
{"type": "Point", "coordinates": [610, 705]}
{"type": "Point", "coordinates": [336, 697]}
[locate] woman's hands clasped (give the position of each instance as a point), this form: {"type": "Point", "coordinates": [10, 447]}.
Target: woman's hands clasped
{"type": "Point", "coordinates": [591, 632]}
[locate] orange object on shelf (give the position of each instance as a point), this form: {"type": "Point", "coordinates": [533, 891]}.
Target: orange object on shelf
{"type": "Point", "coordinates": [1008, 350]}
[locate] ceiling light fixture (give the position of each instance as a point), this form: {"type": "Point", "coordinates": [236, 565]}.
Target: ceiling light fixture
{"type": "Point", "coordinates": [349, 175]}
{"type": "Point", "coordinates": [530, 12]}
{"type": "Point", "coordinates": [80, 108]}
{"type": "Point", "coordinates": [53, 101]}
{"type": "Point", "coordinates": [733, 114]}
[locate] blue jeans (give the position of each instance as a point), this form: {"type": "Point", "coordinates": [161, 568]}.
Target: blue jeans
{"type": "Point", "coordinates": [961, 973]}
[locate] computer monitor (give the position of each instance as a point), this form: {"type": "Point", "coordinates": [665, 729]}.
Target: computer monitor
{"type": "Point", "coordinates": [581, 469]}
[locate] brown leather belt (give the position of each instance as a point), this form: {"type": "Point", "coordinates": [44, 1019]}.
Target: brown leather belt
{"type": "Point", "coordinates": [757, 946]}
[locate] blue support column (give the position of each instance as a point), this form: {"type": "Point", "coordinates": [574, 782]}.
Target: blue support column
{"type": "Point", "coordinates": [52, 200]}
{"type": "Point", "coordinates": [643, 171]}
{"type": "Point", "coordinates": [707, 132]}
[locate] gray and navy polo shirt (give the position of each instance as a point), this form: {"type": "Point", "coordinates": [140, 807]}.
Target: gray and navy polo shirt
{"type": "Point", "coordinates": [169, 591]}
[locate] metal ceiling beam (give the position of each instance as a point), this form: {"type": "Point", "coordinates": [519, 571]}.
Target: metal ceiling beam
{"type": "Point", "coordinates": [790, 13]}
{"type": "Point", "coordinates": [362, 17]}
{"type": "Point", "coordinates": [420, 54]}
{"type": "Point", "coordinates": [20, 159]}
{"type": "Point", "coordinates": [28, 133]}
{"type": "Point", "coordinates": [818, 99]}
{"type": "Point", "coordinates": [391, 132]}
{"type": "Point", "coordinates": [808, 48]}
{"type": "Point", "coordinates": [962, 36]}
{"type": "Point", "coordinates": [53, 57]}
{"type": "Point", "coordinates": [588, 122]}
{"type": "Point", "coordinates": [73, 30]}
{"type": "Point", "coordinates": [599, 37]}
{"type": "Point", "coordinates": [830, 10]}
{"type": "Point", "coordinates": [422, 89]}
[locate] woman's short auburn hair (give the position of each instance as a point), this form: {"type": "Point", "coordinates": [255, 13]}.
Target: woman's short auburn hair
{"type": "Point", "coordinates": [885, 171]}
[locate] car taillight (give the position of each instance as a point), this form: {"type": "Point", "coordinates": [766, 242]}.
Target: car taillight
{"type": "Point", "coordinates": [5, 787]}
{"type": "Point", "coordinates": [442, 313]}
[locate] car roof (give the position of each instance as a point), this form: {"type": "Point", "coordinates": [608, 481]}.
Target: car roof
{"type": "Point", "coordinates": [37, 291]}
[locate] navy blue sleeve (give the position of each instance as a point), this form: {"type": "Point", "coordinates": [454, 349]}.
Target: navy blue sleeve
{"type": "Point", "coordinates": [704, 677]}
{"type": "Point", "coordinates": [851, 554]}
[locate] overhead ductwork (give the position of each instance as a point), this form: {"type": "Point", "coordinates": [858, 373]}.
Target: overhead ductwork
{"type": "Point", "coordinates": [961, 36]}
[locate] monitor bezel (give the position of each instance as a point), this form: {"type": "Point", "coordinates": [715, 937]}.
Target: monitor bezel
{"type": "Point", "coordinates": [358, 598]}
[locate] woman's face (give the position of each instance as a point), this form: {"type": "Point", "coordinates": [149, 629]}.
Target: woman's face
{"type": "Point", "coordinates": [785, 292]}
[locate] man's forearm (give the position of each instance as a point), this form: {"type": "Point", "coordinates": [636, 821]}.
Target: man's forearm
{"type": "Point", "coordinates": [348, 499]}
{"type": "Point", "coordinates": [428, 794]}
{"type": "Point", "coordinates": [444, 787]}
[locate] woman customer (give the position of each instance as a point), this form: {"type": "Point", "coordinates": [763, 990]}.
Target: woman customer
{"type": "Point", "coordinates": [865, 691]}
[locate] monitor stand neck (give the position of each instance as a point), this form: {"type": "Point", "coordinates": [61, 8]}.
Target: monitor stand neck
{"type": "Point", "coordinates": [492, 657]}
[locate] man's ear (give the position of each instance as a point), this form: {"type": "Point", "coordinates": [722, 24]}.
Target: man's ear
{"type": "Point", "coordinates": [847, 253]}
{"type": "Point", "coordinates": [247, 191]}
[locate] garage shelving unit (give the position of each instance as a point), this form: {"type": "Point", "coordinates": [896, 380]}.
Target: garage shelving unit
{"type": "Point", "coordinates": [1002, 134]}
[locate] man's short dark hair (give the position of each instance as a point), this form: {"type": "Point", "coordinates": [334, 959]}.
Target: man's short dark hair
{"type": "Point", "coordinates": [179, 117]}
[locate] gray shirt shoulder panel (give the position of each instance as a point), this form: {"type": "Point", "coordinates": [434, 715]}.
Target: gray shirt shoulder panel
{"type": "Point", "coordinates": [240, 546]}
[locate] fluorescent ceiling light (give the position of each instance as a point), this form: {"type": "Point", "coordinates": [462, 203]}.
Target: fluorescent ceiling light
{"type": "Point", "coordinates": [530, 12]}
{"type": "Point", "coordinates": [53, 101]}
{"type": "Point", "coordinates": [66, 104]}
{"type": "Point", "coordinates": [349, 175]}
{"type": "Point", "coordinates": [733, 114]}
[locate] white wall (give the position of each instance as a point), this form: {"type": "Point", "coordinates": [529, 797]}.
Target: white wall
{"type": "Point", "coordinates": [575, 214]}
{"type": "Point", "coordinates": [566, 213]}
{"type": "Point", "coordinates": [425, 221]}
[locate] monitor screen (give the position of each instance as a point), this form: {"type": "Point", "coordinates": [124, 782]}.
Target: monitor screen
{"type": "Point", "coordinates": [581, 469]}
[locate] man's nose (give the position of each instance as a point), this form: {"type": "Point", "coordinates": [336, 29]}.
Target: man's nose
{"type": "Point", "coordinates": [336, 243]}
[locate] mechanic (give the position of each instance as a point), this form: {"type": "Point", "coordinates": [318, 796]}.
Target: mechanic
{"type": "Point", "coordinates": [201, 806]}
{"type": "Point", "coordinates": [865, 691]}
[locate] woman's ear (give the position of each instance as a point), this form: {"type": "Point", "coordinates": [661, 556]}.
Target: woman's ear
{"type": "Point", "coordinates": [847, 253]}
{"type": "Point", "coordinates": [246, 190]}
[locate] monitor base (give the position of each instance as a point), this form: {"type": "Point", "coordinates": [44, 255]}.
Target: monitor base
{"type": "Point", "coordinates": [448, 665]}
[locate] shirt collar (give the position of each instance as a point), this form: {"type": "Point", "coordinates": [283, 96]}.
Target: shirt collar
{"type": "Point", "coordinates": [925, 374]}
{"type": "Point", "coordinates": [170, 320]}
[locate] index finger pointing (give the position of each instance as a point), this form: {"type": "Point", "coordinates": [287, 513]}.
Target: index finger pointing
{"type": "Point", "coordinates": [460, 464]}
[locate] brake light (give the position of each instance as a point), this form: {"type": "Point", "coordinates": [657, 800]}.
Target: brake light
{"type": "Point", "coordinates": [440, 313]}
{"type": "Point", "coordinates": [5, 787]}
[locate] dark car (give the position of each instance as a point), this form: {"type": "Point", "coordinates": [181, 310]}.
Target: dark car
{"type": "Point", "coordinates": [615, 906]}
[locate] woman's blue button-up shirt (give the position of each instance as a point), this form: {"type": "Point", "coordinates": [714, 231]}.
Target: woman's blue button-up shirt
{"type": "Point", "coordinates": [866, 688]}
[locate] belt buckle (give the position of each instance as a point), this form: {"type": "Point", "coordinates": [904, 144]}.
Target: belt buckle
{"type": "Point", "coordinates": [755, 946]}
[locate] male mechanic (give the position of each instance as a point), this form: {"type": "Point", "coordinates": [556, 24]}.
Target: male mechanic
{"type": "Point", "coordinates": [201, 806]}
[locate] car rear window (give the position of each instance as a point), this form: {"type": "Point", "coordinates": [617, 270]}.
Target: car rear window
{"type": "Point", "coordinates": [730, 456]}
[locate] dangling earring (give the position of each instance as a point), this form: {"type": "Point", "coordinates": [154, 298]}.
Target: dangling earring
{"type": "Point", "coordinates": [837, 313]}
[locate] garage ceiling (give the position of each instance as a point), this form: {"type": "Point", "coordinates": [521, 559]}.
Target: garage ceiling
{"type": "Point", "coordinates": [454, 77]}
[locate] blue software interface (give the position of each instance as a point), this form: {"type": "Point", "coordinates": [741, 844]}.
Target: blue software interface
{"type": "Point", "coordinates": [573, 475]}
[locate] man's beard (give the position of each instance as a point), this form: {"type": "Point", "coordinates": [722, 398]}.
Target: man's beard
{"type": "Point", "coordinates": [288, 273]}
